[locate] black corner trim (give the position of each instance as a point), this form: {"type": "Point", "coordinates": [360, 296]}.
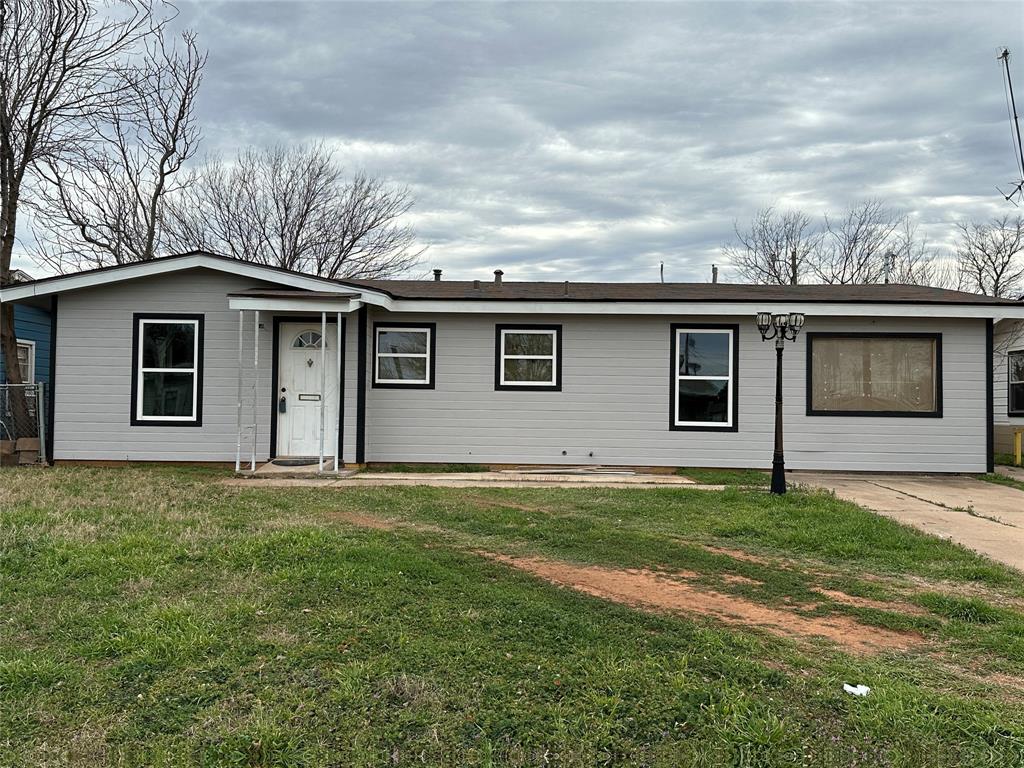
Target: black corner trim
{"type": "Point", "coordinates": [361, 386]}
{"type": "Point", "coordinates": [936, 337]}
{"type": "Point", "coordinates": [733, 382]}
{"type": "Point", "coordinates": [275, 371]}
{"type": "Point", "coordinates": [198, 420]}
{"type": "Point", "coordinates": [432, 327]}
{"type": "Point", "coordinates": [498, 352]}
{"type": "Point", "coordinates": [51, 386]}
{"type": "Point", "coordinates": [990, 438]}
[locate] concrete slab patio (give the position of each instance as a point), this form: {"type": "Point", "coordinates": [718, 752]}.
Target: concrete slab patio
{"type": "Point", "coordinates": [985, 517]}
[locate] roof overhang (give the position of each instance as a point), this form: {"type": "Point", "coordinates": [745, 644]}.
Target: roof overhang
{"type": "Point", "coordinates": [996, 312]}
{"type": "Point", "coordinates": [314, 305]}
{"type": "Point", "coordinates": [166, 265]}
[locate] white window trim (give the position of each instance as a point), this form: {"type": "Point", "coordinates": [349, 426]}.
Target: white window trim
{"type": "Point", "coordinates": [140, 370]}
{"type": "Point", "coordinates": [677, 377]}
{"type": "Point", "coordinates": [553, 357]}
{"type": "Point", "coordinates": [1010, 381]}
{"type": "Point", "coordinates": [425, 355]}
{"type": "Point", "coordinates": [30, 378]}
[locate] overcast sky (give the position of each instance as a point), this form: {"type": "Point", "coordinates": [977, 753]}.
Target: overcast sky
{"type": "Point", "coordinates": [592, 141]}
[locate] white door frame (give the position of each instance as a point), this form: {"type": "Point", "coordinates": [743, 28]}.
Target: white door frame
{"type": "Point", "coordinates": [338, 361]}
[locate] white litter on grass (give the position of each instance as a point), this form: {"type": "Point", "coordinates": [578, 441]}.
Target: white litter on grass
{"type": "Point", "coordinates": [856, 690]}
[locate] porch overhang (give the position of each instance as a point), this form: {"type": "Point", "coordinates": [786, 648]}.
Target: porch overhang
{"type": "Point", "coordinates": [306, 302]}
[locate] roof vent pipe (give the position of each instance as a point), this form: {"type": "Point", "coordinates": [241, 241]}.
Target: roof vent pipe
{"type": "Point", "coordinates": [437, 275]}
{"type": "Point", "coordinates": [476, 285]}
{"type": "Point", "coordinates": [497, 276]}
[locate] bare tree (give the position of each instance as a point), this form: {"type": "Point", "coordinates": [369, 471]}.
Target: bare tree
{"type": "Point", "coordinates": [990, 256]}
{"type": "Point", "coordinates": [775, 248]}
{"type": "Point", "coordinates": [855, 246]}
{"type": "Point", "coordinates": [912, 260]}
{"type": "Point", "coordinates": [58, 66]}
{"type": "Point", "coordinates": [106, 204]}
{"type": "Point", "coordinates": [294, 208]}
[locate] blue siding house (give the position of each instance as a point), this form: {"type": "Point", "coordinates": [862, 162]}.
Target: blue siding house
{"type": "Point", "coordinates": [32, 327]}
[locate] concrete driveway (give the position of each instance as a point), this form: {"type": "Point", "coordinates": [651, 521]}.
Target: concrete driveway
{"type": "Point", "coordinates": [982, 516]}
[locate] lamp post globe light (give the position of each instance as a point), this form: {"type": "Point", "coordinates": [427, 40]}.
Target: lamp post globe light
{"type": "Point", "coordinates": [781, 327]}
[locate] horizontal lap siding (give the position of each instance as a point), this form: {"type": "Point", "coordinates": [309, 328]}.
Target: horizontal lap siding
{"type": "Point", "coordinates": [614, 403]}
{"type": "Point", "coordinates": [1009, 336]}
{"type": "Point", "coordinates": [94, 368]}
{"type": "Point", "coordinates": [32, 324]}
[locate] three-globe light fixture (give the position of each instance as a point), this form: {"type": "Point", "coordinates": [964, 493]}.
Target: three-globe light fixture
{"type": "Point", "coordinates": [782, 327]}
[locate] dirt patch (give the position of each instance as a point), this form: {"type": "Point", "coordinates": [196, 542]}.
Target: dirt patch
{"type": "Point", "coordinates": [738, 554]}
{"type": "Point", "coordinates": [642, 588]}
{"type": "Point", "coordinates": [866, 602]}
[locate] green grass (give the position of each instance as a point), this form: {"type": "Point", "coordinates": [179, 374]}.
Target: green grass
{"type": "Point", "coordinates": [426, 468]}
{"type": "Point", "coordinates": [998, 479]}
{"type": "Point", "coordinates": [743, 477]}
{"type": "Point", "coordinates": [152, 616]}
{"type": "Point", "coordinates": [1005, 458]}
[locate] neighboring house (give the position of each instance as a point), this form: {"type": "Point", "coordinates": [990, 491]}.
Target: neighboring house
{"type": "Point", "coordinates": [1008, 371]}
{"type": "Point", "coordinates": [32, 329]}
{"type": "Point", "coordinates": [167, 360]}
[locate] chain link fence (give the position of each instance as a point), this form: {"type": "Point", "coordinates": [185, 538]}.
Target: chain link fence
{"type": "Point", "coordinates": [22, 424]}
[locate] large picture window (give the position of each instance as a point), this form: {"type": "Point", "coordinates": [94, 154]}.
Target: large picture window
{"type": "Point", "coordinates": [528, 357]}
{"type": "Point", "coordinates": [403, 355]}
{"type": "Point", "coordinates": [704, 363]}
{"type": "Point", "coordinates": [167, 375]}
{"type": "Point", "coordinates": [1016, 393]}
{"type": "Point", "coordinates": [874, 374]}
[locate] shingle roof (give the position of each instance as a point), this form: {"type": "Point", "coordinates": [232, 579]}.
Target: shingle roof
{"type": "Point", "coordinates": [691, 292]}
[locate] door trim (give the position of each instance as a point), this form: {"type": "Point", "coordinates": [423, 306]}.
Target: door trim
{"type": "Point", "coordinates": [274, 371]}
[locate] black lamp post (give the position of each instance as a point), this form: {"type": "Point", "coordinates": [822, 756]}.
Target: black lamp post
{"type": "Point", "coordinates": [779, 327]}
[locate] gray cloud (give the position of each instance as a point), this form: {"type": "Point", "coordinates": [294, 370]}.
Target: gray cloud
{"type": "Point", "coordinates": [594, 140]}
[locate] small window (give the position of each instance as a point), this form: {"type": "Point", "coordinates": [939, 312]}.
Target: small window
{"type": "Point", "coordinates": [704, 378]}
{"type": "Point", "coordinates": [1016, 393]}
{"type": "Point", "coordinates": [882, 374]}
{"type": "Point", "coordinates": [403, 355]}
{"type": "Point", "coordinates": [528, 357]}
{"type": "Point", "coordinates": [307, 340]}
{"type": "Point", "coordinates": [167, 373]}
{"type": "Point", "coordinates": [27, 361]}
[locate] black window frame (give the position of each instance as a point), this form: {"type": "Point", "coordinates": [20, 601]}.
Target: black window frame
{"type": "Point", "coordinates": [811, 336]}
{"type": "Point", "coordinates": [673, 377]}
{"type": "Point", "coordinates": [499, 355]}
{"type": "Point", "coordinates": [1009, 384]}
{"type": "Point", "coordinates": [170, 317]}
{"type": "Point", "coordinates": [431, 357]}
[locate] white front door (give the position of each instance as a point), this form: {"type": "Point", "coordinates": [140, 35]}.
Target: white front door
{"type": "Point", "coordinates": [299, 397]}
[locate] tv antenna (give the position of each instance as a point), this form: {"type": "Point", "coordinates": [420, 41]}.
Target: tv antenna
{"type": "Point", "coordinates": [1011, 111]}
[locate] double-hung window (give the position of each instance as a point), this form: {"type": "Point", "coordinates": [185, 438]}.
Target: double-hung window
{"type": "Point", "coordinates": [874, 374]}
{"type": "Point", "coordinates": [704, 367]}
{"type": "Point", "coordinates": [528, 357]}
{"type": "Point", "coordinates": [167, 370]}
{"type": "Point", "coordinates": [27, 361]}
{"type": "Point", "coordinates": [404, 355]}
{"type": "Point", "coordinates": [1016, 393]}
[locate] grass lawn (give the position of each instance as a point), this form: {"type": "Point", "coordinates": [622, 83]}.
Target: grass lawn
{"type": "Point", "coordinates": [153, 616]}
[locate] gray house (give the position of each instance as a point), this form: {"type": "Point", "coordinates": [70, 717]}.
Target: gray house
{"type": "Point", "coordinates": [202, 358]}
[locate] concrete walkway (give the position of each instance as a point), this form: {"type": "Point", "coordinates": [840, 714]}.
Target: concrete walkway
{"type": "Point", "coordinates": [985, 517]}
{"type": "Point", "coordinates": [505, 479]}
